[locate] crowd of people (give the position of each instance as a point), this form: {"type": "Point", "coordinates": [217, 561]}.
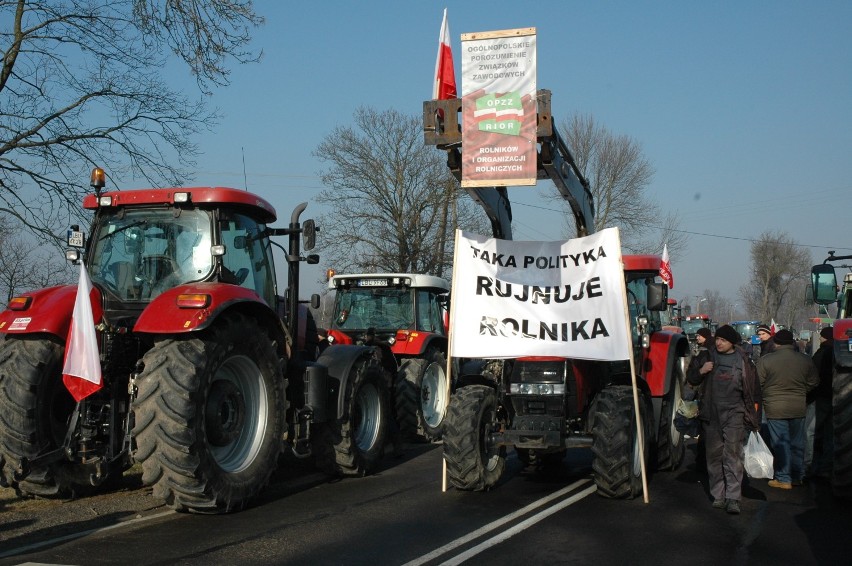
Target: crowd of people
{"type": "Point", "coordinates": [784, 395]}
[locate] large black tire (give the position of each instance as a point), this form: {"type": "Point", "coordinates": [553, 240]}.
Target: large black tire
{"type": "Point", "coordinates": [617, 465]}
{"type": "Point", "coordinates": [354, 443]}
{"type": "Point", "coordinates": [209, 416]}
{"type": "Point", "coordinates": [35, 408]}
{"type": "Point", "coordinates": [670, 442]}
{"type": "Point", "coordinates": [841, 473]}
{"type": "Point", "coordinates": [474, 463]}
{"type": "Point", "coordinates": [422, 396]}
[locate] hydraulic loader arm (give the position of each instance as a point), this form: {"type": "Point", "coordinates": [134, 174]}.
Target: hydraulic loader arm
{"type": "Point", "coordinates": [441, 128]}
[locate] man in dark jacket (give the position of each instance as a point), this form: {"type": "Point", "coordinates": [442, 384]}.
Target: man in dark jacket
{"type": "Point", "coordinates": [729, 408]}
{"type": "Point", "coordinates": [786, 376]}
{"type": "Point", "coordinates": [821, 430]}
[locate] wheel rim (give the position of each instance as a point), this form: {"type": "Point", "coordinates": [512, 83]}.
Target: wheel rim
{"type": "Point", "coordinates": [433, 395]}
{"type": "Point", "coordinates": [367, 417]}
{"type": "Point", "coordinates": [489, 452]}
{"type": "Point", "coordinates": [236, 414]}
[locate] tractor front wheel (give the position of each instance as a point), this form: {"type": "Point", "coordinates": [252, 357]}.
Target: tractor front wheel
{"type": "Point", "coordinates": [422, 396]}
{"type": "Point", "coordinates": [209, 417]}
{"type": "Point", "coordinates": [474, 461]}
{"type": "Point", "coordinates": [615, 444]}
{"type": "Point", "coordinates": [35, 409]}
{"type": "Point", "coordinates": [353, 444]}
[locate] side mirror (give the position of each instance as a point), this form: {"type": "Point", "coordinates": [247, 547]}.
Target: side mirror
{"type": "Point", "coordinates": [309, 232]}
{"type": "Point", "coordinates": [658, 296]}
{"type": "Point", "coordinates": [315, 301]}
{"type": "Point", "coordinates": [824, 283]}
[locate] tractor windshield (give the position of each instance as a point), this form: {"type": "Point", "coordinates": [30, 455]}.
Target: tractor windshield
{"type": "Point", "coordinates": [691, 326]}
{"type": "Point", "coordinates": [366, 307]}
{"type": "Point", "coordinates": [138, 254]}
{"type": "Point", "coordinates": [746, 329]}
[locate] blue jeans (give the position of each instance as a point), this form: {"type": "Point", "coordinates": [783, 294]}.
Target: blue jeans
{"type": "Point", "coordinates": [788, 447]}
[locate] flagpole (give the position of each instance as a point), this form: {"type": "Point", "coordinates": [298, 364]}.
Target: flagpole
{"type": "Point", "coordinates": [449, 358]}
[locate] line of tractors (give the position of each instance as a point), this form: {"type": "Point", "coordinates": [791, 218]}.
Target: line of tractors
{"type": "Point", "coordinates": [209, 374]}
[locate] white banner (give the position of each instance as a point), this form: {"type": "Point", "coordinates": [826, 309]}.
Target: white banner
{"type": "Point", "coordinates": [499, 110]}
{"type": "Point", "coordinates": [564, 298]}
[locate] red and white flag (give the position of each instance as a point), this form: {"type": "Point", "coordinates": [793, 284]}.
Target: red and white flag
{"type": "Point", "coordinates": [773, 327]}
{"type": "Point", "coordinates": [445, 77]}
{"type": "Point", "coordinates": [666, 268]}
{"type": "Point", "coordinates": [81, 373]}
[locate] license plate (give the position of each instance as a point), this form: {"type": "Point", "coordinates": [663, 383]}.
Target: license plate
{"type": "Point", "coordinates": [373, 283]}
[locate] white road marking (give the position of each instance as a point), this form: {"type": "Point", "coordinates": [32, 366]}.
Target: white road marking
{"type": "Point", "coordinates": [507, 519]}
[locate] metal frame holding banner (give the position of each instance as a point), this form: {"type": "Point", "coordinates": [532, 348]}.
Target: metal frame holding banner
{"type": "Point", "coordinates": [499, 108]}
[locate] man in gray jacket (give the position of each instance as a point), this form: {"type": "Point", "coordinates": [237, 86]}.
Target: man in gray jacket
{"type": "Point", "coordinates": [786, 376]}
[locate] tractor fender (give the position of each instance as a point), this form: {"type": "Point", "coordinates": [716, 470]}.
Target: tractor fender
{"type": "Point", "coordinates": [416, 342]}
{"type": "Point", "coordinates": [660, 360]}
{"type": "Point", "coordinates": [339, 361]}
{"type": "Point", "coordinates": [49, 312]}
{"type": "Point", "coordinates": [165, 316]}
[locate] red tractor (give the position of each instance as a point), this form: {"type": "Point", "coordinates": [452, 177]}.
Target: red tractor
{"type": "Point", "coordinates": [407, 314]}
{"type": "Point", "coordinates": [544, 406]}
{"type": "Point", "coordinates": [825, 292]}
{"type": "Point", "coordinates": [205, 378]}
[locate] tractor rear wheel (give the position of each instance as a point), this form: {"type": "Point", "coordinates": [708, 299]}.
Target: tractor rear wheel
{"type": "Point", "coordinates": [422, 396]}
{"type": "Point", "coordinates": [209, 416]}
{"type": "Point", "coordinates": [474, 462]}
{"type": "Point", "coordinates": [670, 441]}
{"type": "Point", "coordinates": [35, 409]}
{"type": "Point", "coordinates": [841, 473]}
{"type": "Point", "coordinates": [354, 443]}
{"type": "Point", "coordinates": [615, 445]}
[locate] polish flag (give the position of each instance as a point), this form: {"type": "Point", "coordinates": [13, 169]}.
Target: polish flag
{"type": "Point", "coordinates": [773, 328]}
{"type": "Point", "coordinates": [666, 268]}
{"type": "Point", "coordinates": [445, 77]}
{"type": "Point", "coordinates": [81, 373]}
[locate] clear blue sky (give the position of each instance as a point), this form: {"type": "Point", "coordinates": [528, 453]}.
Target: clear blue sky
{"type": "Point", "coordinates": [743, 108]}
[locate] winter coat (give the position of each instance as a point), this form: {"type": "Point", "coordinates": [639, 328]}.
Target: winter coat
{"type": "Point", "coordinates": [786, 376]}
{"type": "Point", "coordinates": [752, 398]}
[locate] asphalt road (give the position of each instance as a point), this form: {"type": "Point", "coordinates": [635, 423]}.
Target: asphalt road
{"type": "Point", "coordinates": [400, 516]}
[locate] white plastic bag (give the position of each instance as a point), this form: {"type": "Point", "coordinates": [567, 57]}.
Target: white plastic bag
{"type": "Point", "coordinates": [758, 458]}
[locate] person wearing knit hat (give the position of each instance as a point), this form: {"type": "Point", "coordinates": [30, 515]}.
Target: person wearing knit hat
{"type": "Point", "coordinates": [820, 429]}
{"type": "Point", "coordinates": [704, 333]}
{"type": "Point", "coordinates": [729, 406]}
{"type": "Point", "coordinates": [767, 342]}
{"type": "Point", "coordinates": [727, 332]}
{"type": "Point", "coordinates": [786, 376]}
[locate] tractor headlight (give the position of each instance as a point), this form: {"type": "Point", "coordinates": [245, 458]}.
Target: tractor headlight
{"type": "Point", "coordinates": [527, 388]}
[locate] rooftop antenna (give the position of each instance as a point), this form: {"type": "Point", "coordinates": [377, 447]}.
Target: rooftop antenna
{"type": "Point", "coordinates": [245, 179]}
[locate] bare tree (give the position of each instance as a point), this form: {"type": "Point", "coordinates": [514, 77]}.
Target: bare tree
{"type": "Point", "coordinates": [25, 266]}
{"type": "Point", "coordinates": [779, 269]}
{"type": "Point", "coordinates": [395, 204]}
{"type": "Point", "coordinates": [81, 85]}
{"type": "Point", "coordinates": [619, 176]}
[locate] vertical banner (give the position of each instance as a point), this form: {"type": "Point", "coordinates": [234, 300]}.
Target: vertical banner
{"type": "Point", "coordinates": [563, 298]}
{"type": "Point", "coordinates": [499, 111]}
